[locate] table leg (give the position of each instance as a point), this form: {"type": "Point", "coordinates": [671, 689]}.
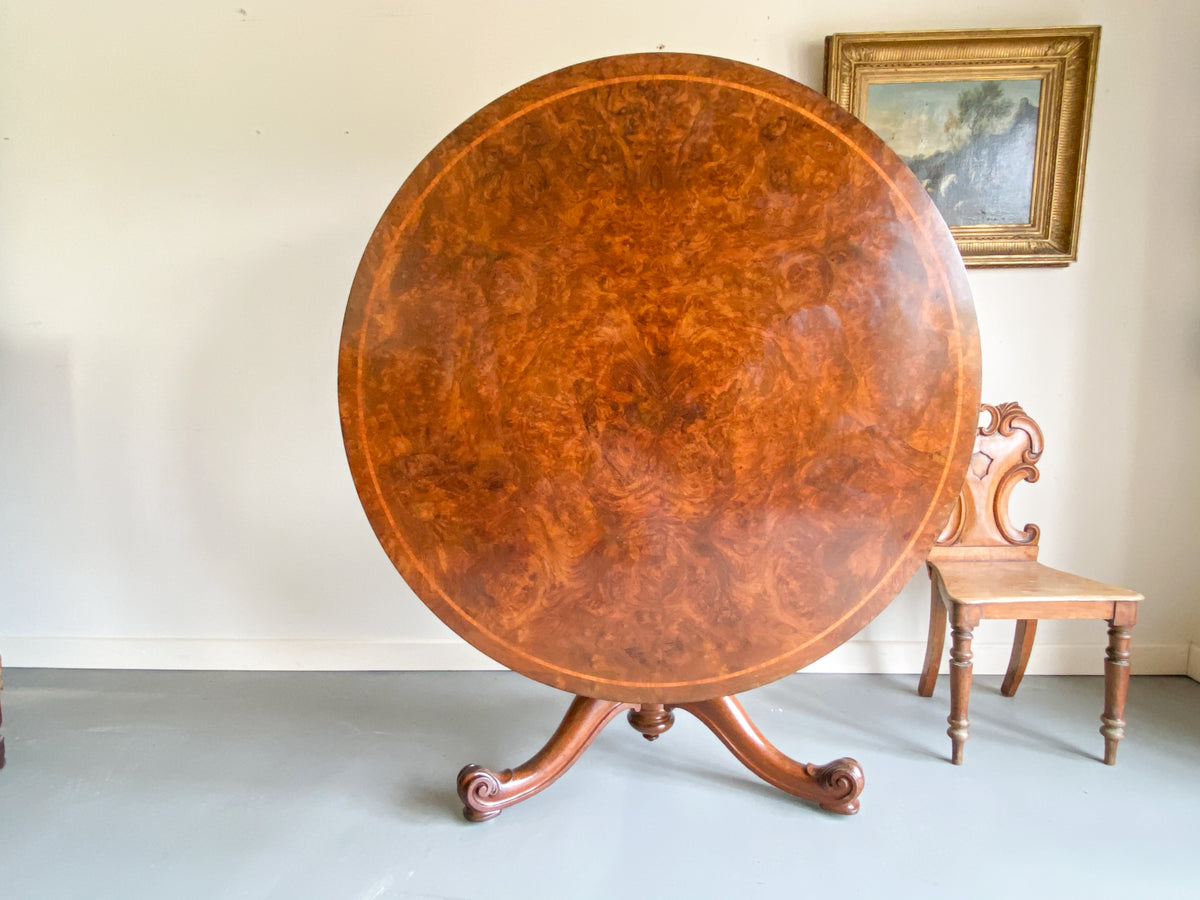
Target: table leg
{"type": "Point", "coordinates": [835, 786]}
{"type": "Point", "coordinates": [485, 793]}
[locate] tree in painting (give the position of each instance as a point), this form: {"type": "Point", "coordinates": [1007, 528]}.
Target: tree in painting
{"type": "Point", "coordinates": [971, 144]}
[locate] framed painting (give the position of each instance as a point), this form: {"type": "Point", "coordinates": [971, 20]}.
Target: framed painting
{"type": "Point", "coordinates": [993, 123]}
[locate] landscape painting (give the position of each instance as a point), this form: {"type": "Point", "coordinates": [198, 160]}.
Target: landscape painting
{"type": "Point", "coordinates": [972, 144]}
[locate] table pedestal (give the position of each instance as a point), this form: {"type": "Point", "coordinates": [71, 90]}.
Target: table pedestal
{"type": "Point", "coordinates": [834, 787]}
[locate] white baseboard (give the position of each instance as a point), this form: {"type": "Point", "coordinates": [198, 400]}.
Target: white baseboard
{"type": "Point", "coordinates": [901, 657]}
{"type": "Point", "coordinates": [279, 655]}
{"type": "Point", "coordinates": [889, 657]}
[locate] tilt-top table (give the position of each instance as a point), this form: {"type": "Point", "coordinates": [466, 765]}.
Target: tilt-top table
{"type": "Point", "coordinates": [658, 379]}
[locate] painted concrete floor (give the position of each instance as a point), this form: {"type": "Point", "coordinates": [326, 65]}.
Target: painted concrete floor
{"type": "Point", "coordinates": [222, 785]}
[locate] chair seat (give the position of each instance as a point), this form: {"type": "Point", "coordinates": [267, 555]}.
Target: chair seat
{"type": "Point", "coordinates": [1021, 582]}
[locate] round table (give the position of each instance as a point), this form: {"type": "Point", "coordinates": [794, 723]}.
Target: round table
{"type": "Point", "coordinates": [658, 379]}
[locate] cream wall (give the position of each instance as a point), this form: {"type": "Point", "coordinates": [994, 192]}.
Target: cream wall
{"type": "Point", "coordinates": [185, 189]}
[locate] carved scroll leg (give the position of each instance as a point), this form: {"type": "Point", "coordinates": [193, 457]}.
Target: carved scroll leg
{"type": "Point", "coordinates": [485, 793]}
{"type": "Point", "coordinates": [960, 683]}
{"type": "Point", "coordinates": [935, 642]}
{"type": "Point", "coordinates": [835, 786]}
{"type": "Point", "coordinates": [1116, 686]}
{"type": "Point", "coordinates": [1022, 647]}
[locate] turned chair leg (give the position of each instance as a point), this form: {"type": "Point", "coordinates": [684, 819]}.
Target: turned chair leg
{"type": "Point", "coordinates": [1116, 686]}
{"type": "Point", "coordinates": [960, 686]}
{"type": "Point", "coordinates": [1022, 647]}
{"type": "Point", "coordinates": [934, 643]}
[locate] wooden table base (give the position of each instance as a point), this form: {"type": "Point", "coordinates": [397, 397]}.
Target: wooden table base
{"type": "Point", "coordinates": [834, 787]}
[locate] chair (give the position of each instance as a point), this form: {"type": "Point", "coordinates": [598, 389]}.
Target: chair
{"type": "Point", "coordinates": [982, 567]}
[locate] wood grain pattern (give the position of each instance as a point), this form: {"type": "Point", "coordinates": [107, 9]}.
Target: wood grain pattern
{"type": "Point", "coordinates": [658, 378]}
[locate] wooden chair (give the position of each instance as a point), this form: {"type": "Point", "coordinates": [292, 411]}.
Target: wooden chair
{"type": "Point", "coordinates": [982, 567]}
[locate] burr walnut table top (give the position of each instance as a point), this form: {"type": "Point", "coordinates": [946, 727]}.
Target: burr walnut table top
{"type": "Point", "coordinates": [659, 377]}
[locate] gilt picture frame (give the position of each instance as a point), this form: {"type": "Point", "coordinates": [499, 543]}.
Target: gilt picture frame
{"type": "Point", "coordinates": [994, 123]}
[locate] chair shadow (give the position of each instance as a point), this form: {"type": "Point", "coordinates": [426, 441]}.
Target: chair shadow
{"type": "Point", "coordinates": [1034, 738]}
{"type": "Point", "coordinates": [809, 704]}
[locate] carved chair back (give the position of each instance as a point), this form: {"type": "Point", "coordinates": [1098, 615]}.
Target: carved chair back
{"type": "Point", "coordinates": [1007, 449]}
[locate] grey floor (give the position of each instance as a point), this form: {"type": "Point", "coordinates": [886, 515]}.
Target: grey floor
{"type": "Point", "coordinates": [269, 785]}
